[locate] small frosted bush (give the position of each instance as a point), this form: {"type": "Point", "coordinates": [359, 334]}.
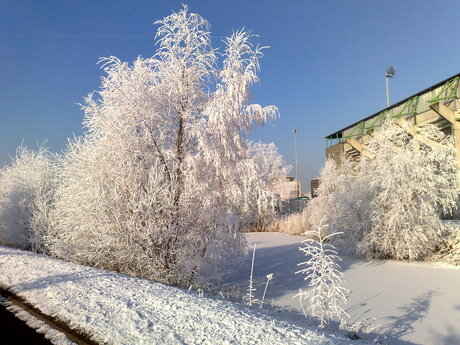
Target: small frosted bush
{"type": "Point", "coordinates": [26, 195]}
{"type": "Point", "coordinates": [325, 293]}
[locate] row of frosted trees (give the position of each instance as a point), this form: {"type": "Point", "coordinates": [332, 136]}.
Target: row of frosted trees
{"type": "Point", "coordinates": [164, 181]}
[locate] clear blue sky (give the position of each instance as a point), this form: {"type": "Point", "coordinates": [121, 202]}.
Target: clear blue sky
{"type": "Point", "coordinates": [324, 70]}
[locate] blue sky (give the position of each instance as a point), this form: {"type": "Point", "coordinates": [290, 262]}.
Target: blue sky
{"type": "Point", "coordinates": [324, 69]}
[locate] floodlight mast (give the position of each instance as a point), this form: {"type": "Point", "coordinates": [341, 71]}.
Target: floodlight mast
{"type": "Point", "coordinates": [389, 73]}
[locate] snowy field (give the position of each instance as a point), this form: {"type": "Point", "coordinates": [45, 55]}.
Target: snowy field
{"type": "Point", "coordinates": [119, 309]}
{"type": "Point", "coordinates": [414, 303]}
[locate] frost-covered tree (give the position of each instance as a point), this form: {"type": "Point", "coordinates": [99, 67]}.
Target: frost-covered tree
{"type": "Point", "coordinates": [271, 170]}
{"type": "Point", "coordinates": [26, 195]}
{"type": "Point", "coordinates": [270, 163]}
{"type": "Point", "coordinates": [352, 215]}
{"type": "Point", "coordinates": [323, 206]}
{"type": "Point", "coordinates": [390, 207]}
{"type": "Point", "coordinates": [162, 184]}
{"type": "Point", "coordinates": [343, 202]}
{"type": "Point", "coordinates": [413, 182]}
{"type": "Point", "coordinates": [325, 293]}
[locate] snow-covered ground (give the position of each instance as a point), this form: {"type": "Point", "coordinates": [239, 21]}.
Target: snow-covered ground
{"type": "Point", "coordinates": [414, 303]}
{"type": "Point", "coordinates": [119, 309]}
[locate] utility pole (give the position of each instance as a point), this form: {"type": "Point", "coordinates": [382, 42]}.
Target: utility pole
{"type": "Point", "coordinates": [389, 73]}
{"type": "Point", "coordinates": [296, 160]}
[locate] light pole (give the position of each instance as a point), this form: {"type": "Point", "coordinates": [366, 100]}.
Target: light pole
{"type": "Point", "coordinates": [389, 73]}
{"type": "Point", "coordinates": [296, 160]}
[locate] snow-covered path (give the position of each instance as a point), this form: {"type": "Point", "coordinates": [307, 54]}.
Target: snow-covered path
{"type": "Point", "coordinates": [415, 303]}
{"type": "Point", "coordinates": [118, 309]}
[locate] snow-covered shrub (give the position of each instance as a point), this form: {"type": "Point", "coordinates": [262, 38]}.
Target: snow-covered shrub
{"type": "Point", "coordinates": [450, 251]}
{"type": "Point", "coordinates": [352, 211]}
{"type": "Point", "coordinates": [359, 328]}
{"type": "Point", "coordinates": [412, 184]}
{"type": "Point", "coordinates": [26, 196]}
{"type": "Point", "coordinates": [111, 209]}
{"type": "Point", "coordinates": [162, 184]}
{"type": "Point", "coordinates": [325, 292]}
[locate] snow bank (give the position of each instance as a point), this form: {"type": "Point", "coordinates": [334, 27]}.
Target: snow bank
{"type": "Point", "coordinates": [119, 309]}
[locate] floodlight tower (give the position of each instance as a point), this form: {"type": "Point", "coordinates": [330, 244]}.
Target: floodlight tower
{"type": "Point", "coordinates": [389, 73]}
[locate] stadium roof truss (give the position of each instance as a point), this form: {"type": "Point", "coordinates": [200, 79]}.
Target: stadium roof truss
{"type": "Point", "coordinates": [445, 92]}
{"type": "Point", "coordinates": [437, 104]}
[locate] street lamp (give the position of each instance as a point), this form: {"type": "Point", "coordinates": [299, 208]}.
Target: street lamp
{"type": "Point", "coordinates": [389, 73]}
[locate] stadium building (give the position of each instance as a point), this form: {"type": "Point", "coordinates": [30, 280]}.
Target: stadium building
{"type": "Point", "coordinates": [438, 104]}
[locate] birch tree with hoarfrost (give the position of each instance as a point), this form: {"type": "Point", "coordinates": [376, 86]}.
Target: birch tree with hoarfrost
{"type": "Point", "coordinates": [162, 184]}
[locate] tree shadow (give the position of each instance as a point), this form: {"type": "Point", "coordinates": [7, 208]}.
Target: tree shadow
{"type": "Point", "coordinates": [411, 313]}
{"type": "Point", "coordinates": [43, 283]}
{"type": "Point", "coordinates": [356, 311]}
{"type": "Point", "coordinates": [450, 337]}
{"type": "Point", "coordinates": [402, 324]}
{"type": "Point", "coordinates": [16, 252]}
